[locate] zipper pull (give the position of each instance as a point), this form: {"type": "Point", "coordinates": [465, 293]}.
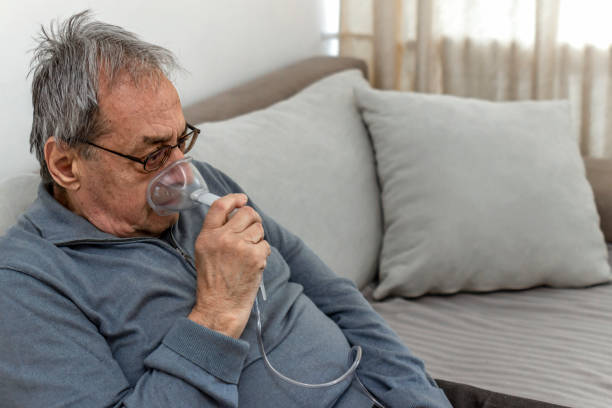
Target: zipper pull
{"type": "Point", "coordinates": [184, 254]}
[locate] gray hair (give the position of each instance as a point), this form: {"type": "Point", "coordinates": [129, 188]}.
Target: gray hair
{"type": "Point", "coordinates": [65, 69]}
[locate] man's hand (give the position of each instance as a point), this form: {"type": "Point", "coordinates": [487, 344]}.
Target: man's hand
{"type": "Point", "coordinates": [230, 256]}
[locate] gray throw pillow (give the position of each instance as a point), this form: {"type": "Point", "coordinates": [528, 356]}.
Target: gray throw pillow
{"type": "Point", "coordinates": [307, 161]}
{"type": "Point", "coordinates": [480, 196]}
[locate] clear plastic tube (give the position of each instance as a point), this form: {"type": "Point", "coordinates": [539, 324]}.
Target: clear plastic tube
{"type": "Point", "coordinates": [348, 373]}
{"type": "Point", "coordinates": [376, 402]}
{"type": "Point", "coordinates": [351, 371]}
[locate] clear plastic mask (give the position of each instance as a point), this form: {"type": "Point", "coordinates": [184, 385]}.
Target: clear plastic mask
{"type": "Point", "coordinates": [178, 187]}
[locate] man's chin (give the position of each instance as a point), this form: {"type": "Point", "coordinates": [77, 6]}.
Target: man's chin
{"type": "Point", "coordinates": [159, 224]}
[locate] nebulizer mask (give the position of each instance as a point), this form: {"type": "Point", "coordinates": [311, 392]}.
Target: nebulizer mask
{"type": "Point", "coordinates": [179, 187]}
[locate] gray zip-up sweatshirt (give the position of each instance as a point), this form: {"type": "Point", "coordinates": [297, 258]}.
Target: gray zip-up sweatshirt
{"type": "Point", "coordinates": [91, 320]}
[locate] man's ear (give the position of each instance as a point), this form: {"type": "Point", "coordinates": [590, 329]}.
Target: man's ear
{"type": "Point", "coordinates": [63, 164]}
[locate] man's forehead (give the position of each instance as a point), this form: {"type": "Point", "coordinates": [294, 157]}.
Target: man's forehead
{"type": "Point", "coordinates": [126, 96]}
{"type": "Point", "coordinates": [135, 110]}
{"type": "Point", "coordinates": [147, 107]}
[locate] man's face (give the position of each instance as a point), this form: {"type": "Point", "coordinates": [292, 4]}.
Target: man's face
{"type": "Point", "coordinates": [140, 119]}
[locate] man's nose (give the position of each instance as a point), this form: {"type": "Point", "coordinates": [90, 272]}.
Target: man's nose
{"type": "Point", "coordinates": [176, 154]}
{"type": "Point", "coordinates": [179, 174]}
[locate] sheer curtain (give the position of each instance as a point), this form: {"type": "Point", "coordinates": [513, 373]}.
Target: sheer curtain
{"type": "Point", "coordinates": [496, 50]}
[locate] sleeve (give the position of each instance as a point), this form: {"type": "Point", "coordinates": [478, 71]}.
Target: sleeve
{"type": "Point", "coordinates": [51, 353]}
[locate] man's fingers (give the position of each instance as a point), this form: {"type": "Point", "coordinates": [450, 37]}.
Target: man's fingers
{"type": "Point", "coordinates": [243, 219]}
{"type": "Point", "coordinates": [266, 247]}
{"type": "Point", "coordinates": [263, 247]}
{"type": "Point", "coordinates": [254, 233]}
{"type": "Point", "coordinates": [220, 210]}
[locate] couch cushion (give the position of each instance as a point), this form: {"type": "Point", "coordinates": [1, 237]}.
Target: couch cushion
{"type": "Point", "coordinates": [481, 195]}
{"type": "Point", "coordinates": [307, 161]}
{"type": "Point", "coordinates": [17, 193]}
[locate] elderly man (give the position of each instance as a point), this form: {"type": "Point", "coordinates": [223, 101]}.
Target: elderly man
{"type": "Point", "coordinates": [106, 303]}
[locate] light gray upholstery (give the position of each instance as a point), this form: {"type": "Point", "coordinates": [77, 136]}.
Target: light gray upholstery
{"type": "Point", "coordinates": [16, 194]}
{"type": "Point", "coordinates": [307, 161]}
{"type": "Point", "coordinates": [481, 195]}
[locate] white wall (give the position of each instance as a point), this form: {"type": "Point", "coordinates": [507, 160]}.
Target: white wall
{"type": "Point", "coordinates": [219, 42]}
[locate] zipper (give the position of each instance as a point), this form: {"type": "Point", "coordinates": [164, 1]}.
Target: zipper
{"type": "Point", "coordinates": [181, 251]}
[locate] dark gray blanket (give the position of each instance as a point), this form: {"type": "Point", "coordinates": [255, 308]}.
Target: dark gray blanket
{"type": "Point", "coordinates": [466, 396]}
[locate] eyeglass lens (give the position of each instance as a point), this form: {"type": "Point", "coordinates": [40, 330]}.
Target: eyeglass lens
{"type": "Point", "coordinates": [157, 159]}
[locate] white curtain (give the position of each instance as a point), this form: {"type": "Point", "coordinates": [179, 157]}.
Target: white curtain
{"type": "Point", "coordinates": [492, 49]}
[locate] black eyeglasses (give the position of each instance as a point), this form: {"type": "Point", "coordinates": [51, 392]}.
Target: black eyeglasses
{"type": "Point", "coordinates": [156, 160]}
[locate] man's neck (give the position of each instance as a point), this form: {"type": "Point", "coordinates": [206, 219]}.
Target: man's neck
{"type": "Point", "coordinates": [61, 196]}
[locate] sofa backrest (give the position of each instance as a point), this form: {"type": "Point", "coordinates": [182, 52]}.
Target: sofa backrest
{"type": "Point", "coordinates": [268, 89]}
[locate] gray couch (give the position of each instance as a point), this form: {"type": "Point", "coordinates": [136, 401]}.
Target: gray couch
{"type": "Point", "coordinates": [314, 169]}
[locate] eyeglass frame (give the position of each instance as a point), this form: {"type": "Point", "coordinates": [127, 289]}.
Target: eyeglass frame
{"type": "Point", "coordinates": [194, 132]}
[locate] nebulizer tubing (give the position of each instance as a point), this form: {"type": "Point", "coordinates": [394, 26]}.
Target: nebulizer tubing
{"type": "Point", "coordinates": [349, 372]}
{"type": "Point", "coordinates": [180, 186]}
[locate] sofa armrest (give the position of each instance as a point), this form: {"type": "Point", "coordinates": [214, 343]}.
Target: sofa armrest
{"type": "Point", "coordinates": [599, 173]}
